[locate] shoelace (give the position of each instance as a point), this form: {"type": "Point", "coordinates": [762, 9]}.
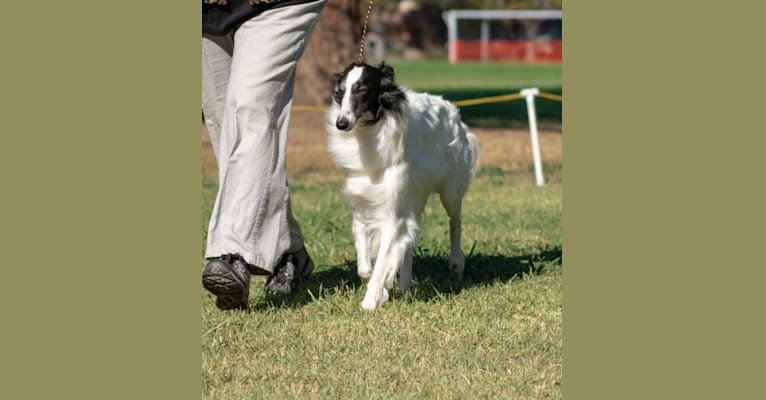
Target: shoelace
{"type": "Point", "coordinates": [282, 275]}
{"type": "Point", "coordinates": [230, 258]}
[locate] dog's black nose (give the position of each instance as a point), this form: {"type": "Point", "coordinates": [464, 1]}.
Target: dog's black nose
{"type": "Point", "coordinates": [341, 123]}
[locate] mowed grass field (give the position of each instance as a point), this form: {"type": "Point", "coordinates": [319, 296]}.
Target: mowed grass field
{"type": "Point", "coordinates": [438, 75]}
{"type": "Point", "coordinates": [494, 334]}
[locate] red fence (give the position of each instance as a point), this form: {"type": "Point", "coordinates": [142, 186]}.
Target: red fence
{"type": "Point", "coordinates": [512, 50]}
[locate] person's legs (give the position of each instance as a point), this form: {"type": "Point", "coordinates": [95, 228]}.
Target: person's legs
{"type": "Point", "coordinates": [252, 215]}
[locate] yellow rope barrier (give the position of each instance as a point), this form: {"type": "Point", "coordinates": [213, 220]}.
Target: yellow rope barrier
{"type": "Point", "coordinates": [550, 96]}
{"type": "Point", "coordinates": [485, 100]}
{"type": "Point", "coordinates": [459, 103]}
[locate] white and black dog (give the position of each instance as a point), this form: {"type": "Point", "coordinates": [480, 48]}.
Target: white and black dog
{"type": "Point", "coordinates": [396, 147]}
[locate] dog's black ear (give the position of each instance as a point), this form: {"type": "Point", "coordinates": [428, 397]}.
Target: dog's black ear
{"type": "Point", "coordinates": [387, 74]}
{"type": "Point", "coordinates": [391, 96]}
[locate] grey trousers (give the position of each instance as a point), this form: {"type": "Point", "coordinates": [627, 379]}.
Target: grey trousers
{"type": "Point", "coordinates": [247, 89]}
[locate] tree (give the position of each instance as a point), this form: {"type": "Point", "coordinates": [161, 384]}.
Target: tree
{"type": "Point", "coordinates": [334, 45]}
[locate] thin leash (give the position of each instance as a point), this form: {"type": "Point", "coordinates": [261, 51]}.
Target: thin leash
{"type": "Point", "coordinates": [364, 32]}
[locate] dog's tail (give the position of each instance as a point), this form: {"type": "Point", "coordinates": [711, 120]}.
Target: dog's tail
{"type": "Point", "coordinates": [475, 146]}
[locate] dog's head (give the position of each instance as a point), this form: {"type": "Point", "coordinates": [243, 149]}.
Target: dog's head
{"type": "Point", "coordinates": [363, 93]}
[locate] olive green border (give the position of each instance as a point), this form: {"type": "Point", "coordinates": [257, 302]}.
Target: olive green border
{"type": "Point", "coordinates": [663, 200]}
{"type": "Point", "coordinates": [101, 200]}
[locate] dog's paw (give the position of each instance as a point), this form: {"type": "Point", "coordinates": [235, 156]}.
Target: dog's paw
{"type": "Point", "coordinates": [371, 301]}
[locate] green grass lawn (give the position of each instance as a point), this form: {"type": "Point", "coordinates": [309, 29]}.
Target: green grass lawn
{"type": "Point", "coordinates": [495, 334]}
{"type": "Point", "coordinates": [472, 80]}
{"type": "Point", "coordinates": [436, 75]}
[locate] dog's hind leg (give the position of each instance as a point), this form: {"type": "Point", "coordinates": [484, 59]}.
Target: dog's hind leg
{"type": "Point", "coordinates": [405, 272]}
{"type": "Point", "coordinates": [363, 266]}
{"type": "Point", "coordinates": [452, 202]}
{"type": "Point", "coordinates": [456, 256]}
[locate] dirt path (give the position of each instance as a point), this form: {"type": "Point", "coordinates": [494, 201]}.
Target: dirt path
{"type": "Point", "coordinates": [509, 149]}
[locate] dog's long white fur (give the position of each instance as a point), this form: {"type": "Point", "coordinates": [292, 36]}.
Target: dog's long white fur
{"type": "Point", "coordinates": [392, 167]}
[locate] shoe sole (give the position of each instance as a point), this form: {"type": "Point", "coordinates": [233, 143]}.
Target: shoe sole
{"type": "Point", "coordinates": [222, 282]}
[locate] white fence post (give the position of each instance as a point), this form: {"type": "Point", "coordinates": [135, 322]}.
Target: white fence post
{"type": "Point", "coordinates": [530, 94]}
{"type": "Point", "coordinates": [484, 40]}
{"type": "Point", "coordinates": [451, 19]}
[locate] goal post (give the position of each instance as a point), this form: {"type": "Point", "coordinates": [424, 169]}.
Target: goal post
{"type": "Point", "coordinates": [530, 19]}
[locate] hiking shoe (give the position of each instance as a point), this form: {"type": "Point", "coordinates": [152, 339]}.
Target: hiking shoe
{"type": "Point", "coordinates": [291, 271]}
{"type": "Point", "coordinates": [228, 278]}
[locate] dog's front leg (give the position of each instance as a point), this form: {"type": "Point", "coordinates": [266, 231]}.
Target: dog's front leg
{"type": "Point", "coordinates": [361, 241]}
{"type": "Point", "coordinates": [376, 293]}
{"type": "Point", "coordinates": [390, 256]}
{"type": "Point", "coordinates": [395, 251]}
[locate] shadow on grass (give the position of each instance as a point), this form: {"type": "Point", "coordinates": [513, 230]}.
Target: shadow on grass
{"type": "Point", "coordinates": [433, 280]}
{"type": "Point", "coordinates": [431, 277]}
